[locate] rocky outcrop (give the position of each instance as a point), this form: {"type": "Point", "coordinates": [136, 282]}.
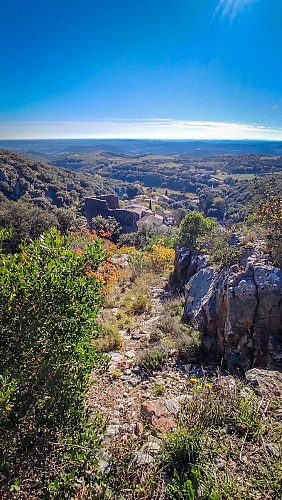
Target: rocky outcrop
{"type": "Point", "coordinates": [186, 264]}
{"type": "Point", "coordinates": [239, 312]}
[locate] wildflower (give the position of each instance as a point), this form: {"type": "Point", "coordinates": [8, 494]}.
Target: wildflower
{"type": "Point", "coordinates": [209, 386]}
{"type": "Point", "coordinates": [199, 386]}
{"type": "Point", "coordinates": [194, 380]}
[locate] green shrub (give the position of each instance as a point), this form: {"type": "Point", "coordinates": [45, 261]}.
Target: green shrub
{"type": "Point", "coordinates": [49, 301]}
{"type": "Point", "coordinates": [158, 389]}
{"type": "Point", "coordinates": [140, 303]}
{"type": "Point", "coordinates": [108, 227]}
{"type": "Point", "coordinates": [224, 253]}
{"type": "Point", "coordinates": [156, 335]}
{"type": "Point", "coordinates": [153, 359]}
{"type": "Point", "coordinates": [188, 346]}
{"type": "Point", "coordinates": [180, 488]}
{"type": "Point", "coordinates": [182, 451]}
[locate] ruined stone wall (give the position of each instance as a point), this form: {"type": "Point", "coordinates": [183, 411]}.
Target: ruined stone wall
{"type": "Point", "coordinates": [111, 199]}
{"type": "Point", "coordinates": [100, 206]}
{"type": "Point", "coordinates": [94, 207]}
{"type": "Point", "coordinates": [127, 219]}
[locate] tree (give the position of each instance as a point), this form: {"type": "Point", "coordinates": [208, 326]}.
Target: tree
{"type": "Point", "coordinates": [193, 227]}
{"type": "Point", "coordinates": [268, 211]}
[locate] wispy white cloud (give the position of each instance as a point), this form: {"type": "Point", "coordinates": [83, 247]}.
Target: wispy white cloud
{"type": "Point", "coordinates": [137, 129]}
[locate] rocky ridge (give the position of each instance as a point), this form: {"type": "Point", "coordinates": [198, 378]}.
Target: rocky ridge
{"type": "Point", "coordinates": [237, 309]}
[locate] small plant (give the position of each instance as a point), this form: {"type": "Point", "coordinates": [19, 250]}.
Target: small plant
{"type": "Point", "coordinates": [220, 250]}
{"type": "Point", "coordinates": [153, 359]}
{"type": "Point", "coordinates": [158, 389]}
{"type": "Point", "coordinates": [137, 263]}
{"type": "Point", "coordinates": [159, 258]}
{"type": "Point", "coordinates": [169, 325]}
{"type": "Point", "coordinates": [116, 374]}
{"type": "Point", "coordinates": [182, 451]}
{"type": "Point", "coordinates": [180, 488]}
{"type": "Point", "coordinates": [247, 420]}
{"type": "Point", "coordinates": [110, 339]}
{"type": "Point", "coordinates": [123, 319]}
{"type": "Point", "coordinates": [188, 346]}
{"type": "Point", "coordinates": [175, 305]}
{"type": "Point", "coordinates": [140, 303]}
{"type": "Point", "coordinates": [156, 335]}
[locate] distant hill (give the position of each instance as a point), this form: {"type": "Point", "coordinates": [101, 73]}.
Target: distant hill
{"type": "Point", "coordinates": [35, 197]}
{"type": "Point", "coordinates": [46, 185]}
{"type": "Point", "coordinates": [193, 149]}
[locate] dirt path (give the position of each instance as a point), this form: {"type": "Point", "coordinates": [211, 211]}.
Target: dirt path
{"type": "Point", "coordinates": [124, 392]}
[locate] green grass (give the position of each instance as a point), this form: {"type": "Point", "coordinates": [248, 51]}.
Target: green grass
{"type": "Point", "coordinates": [239, 177]}
{"type": "Point", "coordinates": [153, 359]}
{"type": "Point", "coordinates": [110, 339]}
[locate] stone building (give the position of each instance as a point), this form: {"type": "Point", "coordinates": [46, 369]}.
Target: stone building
{"type": "Point", "coordinates": [128, 217]}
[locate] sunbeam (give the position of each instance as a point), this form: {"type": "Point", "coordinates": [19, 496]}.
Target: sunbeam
{"type": "Point", "coordinates": [231, 8]}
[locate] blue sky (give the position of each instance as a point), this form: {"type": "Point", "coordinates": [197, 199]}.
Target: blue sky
{"type": "Point", "coordinates": [147, 68]}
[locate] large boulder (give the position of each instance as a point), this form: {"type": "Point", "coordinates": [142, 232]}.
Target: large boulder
{"type": "Point", "coordinates": [239, 312]}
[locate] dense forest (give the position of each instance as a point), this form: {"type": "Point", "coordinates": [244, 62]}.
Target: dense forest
{"type": "Point", "coordinates": [35, 197]}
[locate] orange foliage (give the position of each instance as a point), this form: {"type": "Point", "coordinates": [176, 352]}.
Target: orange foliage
{"type": "Point", "coordinates": [125, 249]}
{"type": "Point", "coordinates": [160, 257]}
{"type": "Point", "coordinates": [108, 274]}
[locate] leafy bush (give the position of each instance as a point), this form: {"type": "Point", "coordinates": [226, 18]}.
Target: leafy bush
{"type": "Point", "coordinates": [268, 209]}
{"type": "Point", "coordinates": [149, 234]}
{"type": "Point", "coordinates": [159, 258]}
{"type": "Point", "coordinates": [140, 303]}
{"type": "Point", "coordinates": [106, 227]}
{"type": "Point", "coordinates": [49, 300]}
{"type": "Point", "coordinates": [220, 249]}
{"type": "Point", "coordinates": [158, 389]}
{"type": "Point", "coordinates": [153, 359]}
{"type": "Point", "coordinates": [180, 488]}
{"type": "Point", "coordinates": [188, 345]}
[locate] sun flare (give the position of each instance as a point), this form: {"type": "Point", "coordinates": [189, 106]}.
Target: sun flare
{"type": "Point", "coordinates": [231, 8]}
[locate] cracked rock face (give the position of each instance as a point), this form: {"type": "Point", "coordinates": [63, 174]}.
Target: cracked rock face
{"type": "Point", "coordinates": [239, 312]}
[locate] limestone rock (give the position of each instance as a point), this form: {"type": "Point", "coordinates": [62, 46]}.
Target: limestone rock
{"type": "Point", "coordinates": [273, 449]}
{"type": "Point", "coordinates": [239, 312]}
{"type": "Point", "coordinates": [112, 430]}
{"type": "Point", "coordinates": [265, 383]}
{"type": "Point", "coordinates": [152, 446]}
{"type": "Point", "coordinates": [156, 414]}
{"type": "Point", "coordinates": [186, 265]}
{"type": "Point", "coordinates": [162, 413]}
{"type": "Point", "coordinates": [143, 458]}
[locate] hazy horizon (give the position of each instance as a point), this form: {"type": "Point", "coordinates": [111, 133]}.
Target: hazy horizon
{"type": "Point", "coordinates": [157, 129]}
